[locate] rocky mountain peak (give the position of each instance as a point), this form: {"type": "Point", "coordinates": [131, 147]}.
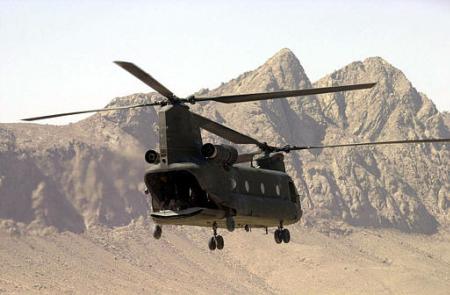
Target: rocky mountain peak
{"type": "Point", "coordinates": [284, 52]}
{"type": "Point", "coordinates": [405, 187]}
{"type": "Point", "coordinates": [372, 69]}
{"type": "Point", "coordinates": [286, 69]}
{"type": "Point", "coordinates": [379, 61]}
{"type": "Point", "coordinates": [393, 108]}
{"type": "Point", "coordinates": [282, 71]}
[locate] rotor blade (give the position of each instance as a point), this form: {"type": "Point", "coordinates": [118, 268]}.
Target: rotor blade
{"type": "Point", "coordinates": [225, 132]}
{"type": "Point", "coordinates": [91, 111]}
{"type": "Point", "coordinates": [242, 158]}
{"type": "Point", "coordinates": [427, 140]}
{"type": "Point", "coordinates": [146, 78]}
{"type": "Point", "coordinates": [282, 94]}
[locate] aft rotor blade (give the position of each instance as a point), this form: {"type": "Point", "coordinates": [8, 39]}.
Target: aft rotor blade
{"type": "Point", "coordinates": [242, 158]}
{"type": "Point", "coordinates": [225, 132]}
{"type": "Point", "coordinates": [92, 111]}
{"type": "Point", "coordinates": [146, 78]}
{"type": "Point", "coordinates": [282, 94]}
{"type": "Point", "coordinates": [427, 140]}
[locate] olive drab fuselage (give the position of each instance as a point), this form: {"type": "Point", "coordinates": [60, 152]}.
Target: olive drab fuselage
{"type": "Point", "coordinates": [253, 196]}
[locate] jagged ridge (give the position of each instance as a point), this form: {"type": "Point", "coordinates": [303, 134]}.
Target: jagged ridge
{"type": "Point", "coordinates": [405, 187]}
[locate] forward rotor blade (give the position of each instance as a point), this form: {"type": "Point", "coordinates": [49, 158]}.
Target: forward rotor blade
{"type": "Point", "coordinates": [146, 78]}
{"type": "Point", "coordinates": [427, 140]}
{"type": "Point", "coordinates": [242, 158]}
{"type": "Point", "coordinates": [282, 94]}
{"type": "Point", "coordinates": [91, 111]}
{"type": "Point", "coordinates": [225, 132]}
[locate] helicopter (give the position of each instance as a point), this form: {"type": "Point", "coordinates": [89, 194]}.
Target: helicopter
{"type": "Point", "coordinates": [203, 184]}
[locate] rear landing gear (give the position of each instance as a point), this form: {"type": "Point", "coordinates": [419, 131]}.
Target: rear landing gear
{"type": "Point", "coordinates": [231, 225]}
{"type": "Point", "coordinates": [286, 235]}
{"type": "Point", "coordinates": [216, 241]}
{"type": "Point", "coordinates": [282, 234]}
{"type": "Point", "coordinates": [278, 236]}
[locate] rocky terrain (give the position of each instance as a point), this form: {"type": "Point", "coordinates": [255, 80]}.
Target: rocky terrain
{"type": "Point", "coordinates": [78, 187]}
{"type": "Point", "coordinates": [404, 187]}
{"type": "Point", "coordinates": [447, 118]}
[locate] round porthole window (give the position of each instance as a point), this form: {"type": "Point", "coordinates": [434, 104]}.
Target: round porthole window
{"type": "Point", "coordinates": [263, 189]}
{"type": "Point", "coordinates": [277, 189]}
{"type": "Point", "coordinates": [247, 186]}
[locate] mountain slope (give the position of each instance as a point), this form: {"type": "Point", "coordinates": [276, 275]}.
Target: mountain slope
{"type": "Point", "coordinates": [405, 186]}
{"type": "Point", "coordinates": [71, 177]}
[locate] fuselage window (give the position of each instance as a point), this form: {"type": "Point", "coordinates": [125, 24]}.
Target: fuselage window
{"type": "Point", "coordinates": [233, 184]}
{"type": "Point", "coordinates": [263, 189]}
{"type": "Point", "coordinates": [247, 186]}
{"type": "Point", "coordinates": [277, 189]}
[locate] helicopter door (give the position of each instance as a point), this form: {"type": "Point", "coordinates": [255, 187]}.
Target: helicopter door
{"type": "Point", "coordinates": [176, 190]}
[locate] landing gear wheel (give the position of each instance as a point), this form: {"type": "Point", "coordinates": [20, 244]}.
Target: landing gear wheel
{"type": "Point", "coordinates": [212, 244]}
{"type": "Point", "coordinates": [231, 225]}
{"type": "Point", "coordinates": [285, 235]}
{"type": "Point", "coordinates": [157, 231]}
{"type": "Point", "coordinates": [278, 236]}
{"type": "Point", "coordinates": [219, 242]}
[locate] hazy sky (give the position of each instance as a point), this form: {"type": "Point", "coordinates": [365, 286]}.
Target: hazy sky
{"type": "Point", "coordinates": [57, 55]}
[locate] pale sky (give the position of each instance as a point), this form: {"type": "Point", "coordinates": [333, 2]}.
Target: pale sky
{"type": "Point", "coordinates": [57, 55]}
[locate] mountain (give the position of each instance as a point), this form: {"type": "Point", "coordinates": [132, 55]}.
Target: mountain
{"type": "Point", "coordinates": [70, 177]}
{"type": "Point", "coordinates": [76, 176]}
{"type": "Point", "coordinates": [446, 118]}
{"type": "Point", "coordinates": [404, 186]}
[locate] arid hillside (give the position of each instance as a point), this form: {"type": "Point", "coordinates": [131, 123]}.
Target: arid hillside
{"type": "Point", "coordinates": [71, 177]}
{"type": "Point", "coordinates": [73, 216]}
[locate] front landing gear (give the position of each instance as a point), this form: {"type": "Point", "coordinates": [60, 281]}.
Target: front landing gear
{"type": "Point", "coordinates": [216, 241]}
{"type": "Point", "coordinates": [282, 234]}
{"type": "Point", "coordinates": [220, 242]}
{"type": "Point", "coordinates": [212, 244]}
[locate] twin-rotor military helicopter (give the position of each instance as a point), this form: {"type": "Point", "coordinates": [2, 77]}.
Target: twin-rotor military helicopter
{"type": "Point", "coordinates": [196, 184]}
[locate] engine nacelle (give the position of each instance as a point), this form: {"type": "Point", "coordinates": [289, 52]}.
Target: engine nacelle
{"type": "Point", "coordinates": [224, 154]}
{"type": "Point", "coordinates": [152, 157]}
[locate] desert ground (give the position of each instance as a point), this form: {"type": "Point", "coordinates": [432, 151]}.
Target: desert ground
{"type": "Point", "coordinates": [127, 260]}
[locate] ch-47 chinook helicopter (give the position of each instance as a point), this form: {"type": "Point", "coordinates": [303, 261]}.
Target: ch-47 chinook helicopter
{"type": "Point", "coordinates": [198, 184]}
